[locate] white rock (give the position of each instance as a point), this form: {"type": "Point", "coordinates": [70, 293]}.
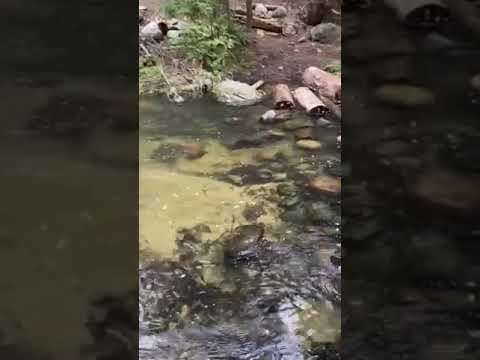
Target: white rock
{"type": "Point", "coordinates": [260, 11]}
{"type": "Point", "coordinates": [151, 30]}
{"type": "Point", "coordinates": [236, 93]}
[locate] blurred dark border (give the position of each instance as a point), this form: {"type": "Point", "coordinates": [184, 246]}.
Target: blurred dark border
{"type": "Point", "coordinates": [69, 180]}
{"type": "Point", "coordinates": [410, 191]}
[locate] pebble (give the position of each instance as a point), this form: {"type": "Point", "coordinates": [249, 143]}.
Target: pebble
{"type": "Point", "coordinates": [309, 144]}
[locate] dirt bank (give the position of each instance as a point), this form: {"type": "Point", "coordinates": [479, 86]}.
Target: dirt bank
{"type": "Point", "coordinates": [274, 58]}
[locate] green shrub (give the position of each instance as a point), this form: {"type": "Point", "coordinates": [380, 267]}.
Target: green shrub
{"type": "Point", "coordinates": [214, 45]}
{"type": "Point", "coordinates": [192, 9]}
{"type": "Point", "coordinates": [212, 38]}
{"type": "Point", "coordinates": [334, 68]}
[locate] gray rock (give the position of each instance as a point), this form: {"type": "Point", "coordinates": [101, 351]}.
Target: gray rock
{"type": "Point", "coordinates": [236, 93]}
{"type": "Point", "coordinates": [273, 116]}
{"type": "Point", "coordinates": [326, 33]}
{"type": "Point", "coordinates": [260, 11]}
{"type": "Point", "coordinates": [268, 117]}
{"type": "Point", "coordinates": [236, 179]}
{"type": "Point", "coordinates": [173, 34]}
{"type": "Point", "coordinates": [289, 29]}
{"type": "Point", "coordinates": [279, 12]}
{"type": "Point", "coordinates": [152, 30]}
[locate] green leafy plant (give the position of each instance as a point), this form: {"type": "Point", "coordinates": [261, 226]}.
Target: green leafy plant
{"type": "Point", "coordinates": [192, 9]}
{"type": "Point", "coordinates": [212, 39]}
{"type": "Point", "coordinates": [334, 68]}
{"type": "Point", "coordinates": [214, 45]}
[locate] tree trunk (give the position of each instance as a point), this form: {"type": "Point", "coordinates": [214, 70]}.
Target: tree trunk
{"type": "Point", "coordinates": [315, 12]}
{"type": "Point", "coordinates": [249, 13]}
{"type": "Point", "coordinates": [264, 24]}
{"type": "Point", "coordinates": [226, 6]}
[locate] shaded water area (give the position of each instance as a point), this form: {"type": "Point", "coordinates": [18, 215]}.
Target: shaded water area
{"type": "Point", "coordinates": [67, 180]}
{"type": "Point", "coordinates": [411, 190]}
{"type": "Point", "coordinates": [239, 252]}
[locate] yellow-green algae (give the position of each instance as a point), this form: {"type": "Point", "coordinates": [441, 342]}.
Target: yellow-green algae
{"type": "Point", "coordinates": [184, 195]}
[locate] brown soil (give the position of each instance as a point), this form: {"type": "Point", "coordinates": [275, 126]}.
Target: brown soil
{"type": "Point", "coordinates": [276, 58]}
{"type": "Point", "coordinates": [281, 59]}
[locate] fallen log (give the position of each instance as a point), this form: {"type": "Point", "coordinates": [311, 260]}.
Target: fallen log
{"type": "Point", "coordinates": [311, 103]}
{"type": "Point", "coordinates": [282, 97]}
{"type": "Point", "coordinates": [268, 6]}
{"type": "Point", "coordinates": [259, 23]}
{"type": "Point", "coordinates": [333, 108]}
{"type": "Point", "coordinates": [326, 84]}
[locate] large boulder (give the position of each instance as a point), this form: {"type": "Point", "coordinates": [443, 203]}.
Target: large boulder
{"type": "Point", "coordinates": [152, 30]}
{"type": "Point", "coordinates": [326, 33]}
{"type": "Point", "coordinates": [236, 93]}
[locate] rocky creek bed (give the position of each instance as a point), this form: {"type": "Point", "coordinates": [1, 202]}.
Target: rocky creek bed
{"type": "Point", "coordinates": [239, 228]}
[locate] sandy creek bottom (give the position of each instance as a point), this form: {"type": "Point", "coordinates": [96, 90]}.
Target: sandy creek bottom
{"type": "Point", "coordinates": [183, 193]}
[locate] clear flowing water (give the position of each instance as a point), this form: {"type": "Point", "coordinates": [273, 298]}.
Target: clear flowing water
{"type": "Point", "coordinates": [216, 190]}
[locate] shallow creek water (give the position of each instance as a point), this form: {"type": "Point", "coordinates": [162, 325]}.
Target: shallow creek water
{"type": "Point", "coordinates": [188, 192]}
{"type": "Point", "coordinates": [177, 192]}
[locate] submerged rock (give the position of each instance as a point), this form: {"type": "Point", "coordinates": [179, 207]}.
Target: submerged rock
{"type": "Point", "coordinates": [296, 124]}
{"type": "Point", "coordinates": [171, 152]}
{"type": "Point", "coordinates": [258, 139]}
{"type": "Point", "coordinates": [240, 244]}
{"type": "Point", "coordinates": [309, 144]}
{"type": "Point", "coordinates": [305, 133]}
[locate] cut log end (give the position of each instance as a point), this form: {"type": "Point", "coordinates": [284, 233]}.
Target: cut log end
{"type": "Point", "coordinates": [282, 97]}
{"type": "Point", "coordinates": [310, 102]}
{"type": "Point", "coordinates": [319, 110]}
{"type": "Point", "coordinates": [284, 105]}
